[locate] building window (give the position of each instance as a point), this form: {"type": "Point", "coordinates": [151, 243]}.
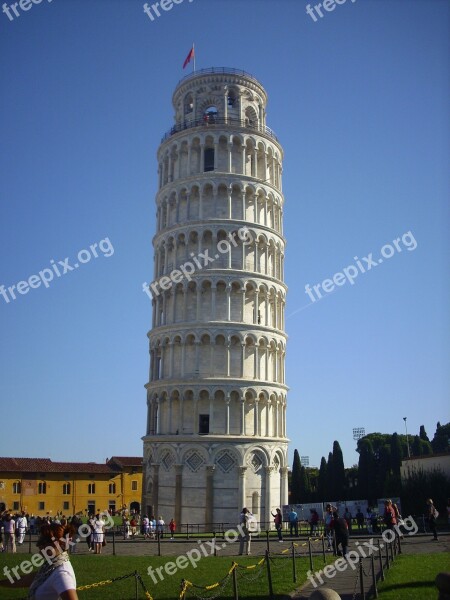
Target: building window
{"type": "Point", "coordinates": [209, 159]}
{"type": "Point", "coordinates": [112, 507]}
{"type": "Point", "coordinates": [91, 508]}
{"type": "Point", "coordinates": [41, 505]}
{"type": "Point", "coordinates": [66, 488]}
{"type": "Point", "coordinates": [134, 485]}
{"type": "Point", "coordinates": [91, 488]}
{"type": "Point", "coordinates": [112, 488]}
{"type": "Point", "coordinates": [16, 506]}
{"type": "Point", "coordinates": [203, 424]}
{"type": "Point", "coordinates": [65, 506]}
{"type": "Point", "coordinates": [17, 487]}
{"type": "Point", "coordinates": [42, 487]}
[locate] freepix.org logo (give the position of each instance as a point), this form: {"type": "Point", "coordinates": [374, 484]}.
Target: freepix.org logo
{"type": "Point", "coordinates": [62, 267]}
{"type": "Point", "coordinates": [12, 10]}
{"type": "Point", "coordinates": [200, 261]}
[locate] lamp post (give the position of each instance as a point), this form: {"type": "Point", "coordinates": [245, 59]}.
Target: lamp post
{"type": "Point", "coordinates": [407, 440]}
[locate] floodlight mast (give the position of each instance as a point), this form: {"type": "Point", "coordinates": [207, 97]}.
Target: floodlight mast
{"type": "Point", "coordinates": [407, 438]}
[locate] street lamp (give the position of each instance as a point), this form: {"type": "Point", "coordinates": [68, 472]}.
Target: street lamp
{"type": "Point", "coordinates": [407, 440]}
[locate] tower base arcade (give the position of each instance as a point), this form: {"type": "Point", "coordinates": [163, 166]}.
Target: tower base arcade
{"type": "Point", "coordinates": [203, 481]}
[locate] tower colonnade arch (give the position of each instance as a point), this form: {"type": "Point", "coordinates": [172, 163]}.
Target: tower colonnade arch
{"type": "Point", "coordinates": [224, 198]}
{"type": "Point", "coordinates": [190, 154]}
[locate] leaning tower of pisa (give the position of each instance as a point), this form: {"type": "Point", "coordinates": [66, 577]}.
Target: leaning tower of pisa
{"type": "Point", "coordinates": [216, 396]}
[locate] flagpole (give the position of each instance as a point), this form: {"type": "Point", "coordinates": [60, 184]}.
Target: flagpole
{"type": "Point", "coordinates": [194, 55]}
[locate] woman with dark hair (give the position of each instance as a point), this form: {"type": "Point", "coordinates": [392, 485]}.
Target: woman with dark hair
{"type": "Point", "coordinates": [278, 520]}
{"type": "Point", "coordinates": [55, 580]}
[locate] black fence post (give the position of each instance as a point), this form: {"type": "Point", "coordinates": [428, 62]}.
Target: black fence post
{"type": "Point", "coordinates": [361, 580]}
{"type": "Point", "coordinates": [267, 540]}
{"type": "Point", "coordinates": [374, 576]}
{"type": "Point", "coordinates": [391, 547]}
{"type": "Point", "coordinates": [399, 544]}
{"type": "Point", "coordinates": [214, 542]}
{"type": "Point", "coordinates": [269, 576]}
{"type": "Point", "coordinates": [235, 585]}
{"type": "Point", "coordinates": [114, 542]}
{"type": "Point", "coordinates": [29, 541]}
{"type": "Point", "coordinates": [294, 569]}
{"type": "Point", "coordinates": [380, 556]}
{"type": "Point", "coordinates": [311, 566]}
{"type": "Point", "coordinates": [158, 539]}
{"type": "Point", "coordinates": [323, 549]}
{"type": "Point", "coordinates": [187, 531]}
{"type": "Point", "coordinates": [387, 556]}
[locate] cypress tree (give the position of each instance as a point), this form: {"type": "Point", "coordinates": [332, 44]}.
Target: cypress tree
{"type": "Point", "coordinates": [323, 481]}
{"type": "Point", "coordinates": [423, 434]}
{"type": "Point", "coordinates": [330, 471]}
{"type": "Point", "coordinates": [296, 487]}
{"type": "Point", "coordinates": [338, 472]}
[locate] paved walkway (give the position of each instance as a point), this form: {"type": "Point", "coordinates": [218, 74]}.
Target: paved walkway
{"type": "Point", "coordinates": [347, 583]}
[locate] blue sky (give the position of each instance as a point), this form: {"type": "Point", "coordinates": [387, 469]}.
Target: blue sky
{"type": "Point", "coordinates": [360, 102]}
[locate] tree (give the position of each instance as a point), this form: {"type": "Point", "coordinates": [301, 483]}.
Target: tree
{"type": "Point", "coordinates": [330, 471]}
{"type": "Point", "coordinates": [441, 437]}
{"type": "Point", "coordinates": [305, 487]}
{"type": "Point", "coordinates": [296, 479]}
{"type": "Point", "coordinates": [323, 481]}
{"type": "Point", "coordinates": [366, 464]}
{"type": "Point", "coordinates": [423, 434]}
{"type": "Point", "coordinates": [416, 448]}
{"type": "Point", "coordinates": [391, 467]}
{"type": "Point", "coordinates": [338, 480]}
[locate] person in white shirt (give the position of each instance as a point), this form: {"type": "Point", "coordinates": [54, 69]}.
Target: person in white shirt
{"type": "Point", "coordinates": [9, 528]}
{"type": "Point", "coordinates": [21, 526]}
{"type": "Point", "coordinates": [55, 580]}
{"type": "Point", "coordinates": [160, 527]}
{"type": "Point", "coordinates": [99, 534]}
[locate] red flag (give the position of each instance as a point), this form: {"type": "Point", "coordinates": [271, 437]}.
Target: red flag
{"type": "Point", "coordinates": [189, 57]}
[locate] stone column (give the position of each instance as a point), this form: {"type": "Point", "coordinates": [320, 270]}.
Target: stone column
{"type": "Point", "coordinates": [178, 489]}
{"type": "Point", "coordinates": [155, 496]}
{"type": "Point", "coordinates": [227, 415]}
{"type": "Point", "coordinates": [230, 157]}
{"type": "Point", "coordinates": [241, 488]}
{"type": "Point", "coordinates": [283, 486]}
{"type": "Point", "coordinates": [256, 418]}
{"type": "Point", "coordinates": [268, 494]}
{"type": "Point", "coordinates": [209, 503]}
{"type": "Point", "coordinates": [242, 416]}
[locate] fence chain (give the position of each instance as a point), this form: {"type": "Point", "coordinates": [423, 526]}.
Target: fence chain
{"type": "Point", "coordinates": [369, 574]}
{"type": "Point", "coordinates": [356, 584]}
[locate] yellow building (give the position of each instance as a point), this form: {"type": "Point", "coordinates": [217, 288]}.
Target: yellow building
{"type": "Point", "coordinates": [40, 486]}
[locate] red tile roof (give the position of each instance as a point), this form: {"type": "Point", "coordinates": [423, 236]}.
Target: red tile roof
{"type": "Point", "coordinates": [46, 465]}
{"type": "Point", "coordinates": [127, 461]}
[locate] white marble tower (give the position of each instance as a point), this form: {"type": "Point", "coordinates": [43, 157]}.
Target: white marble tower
{"type": "Point", "coordinates": [216, 428]}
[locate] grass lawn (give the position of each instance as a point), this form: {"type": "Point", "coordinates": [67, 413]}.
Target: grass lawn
{"type": "Point", "coordinates": [252, 583]}
{"type": "Point", "coordinates": [412, 577]}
